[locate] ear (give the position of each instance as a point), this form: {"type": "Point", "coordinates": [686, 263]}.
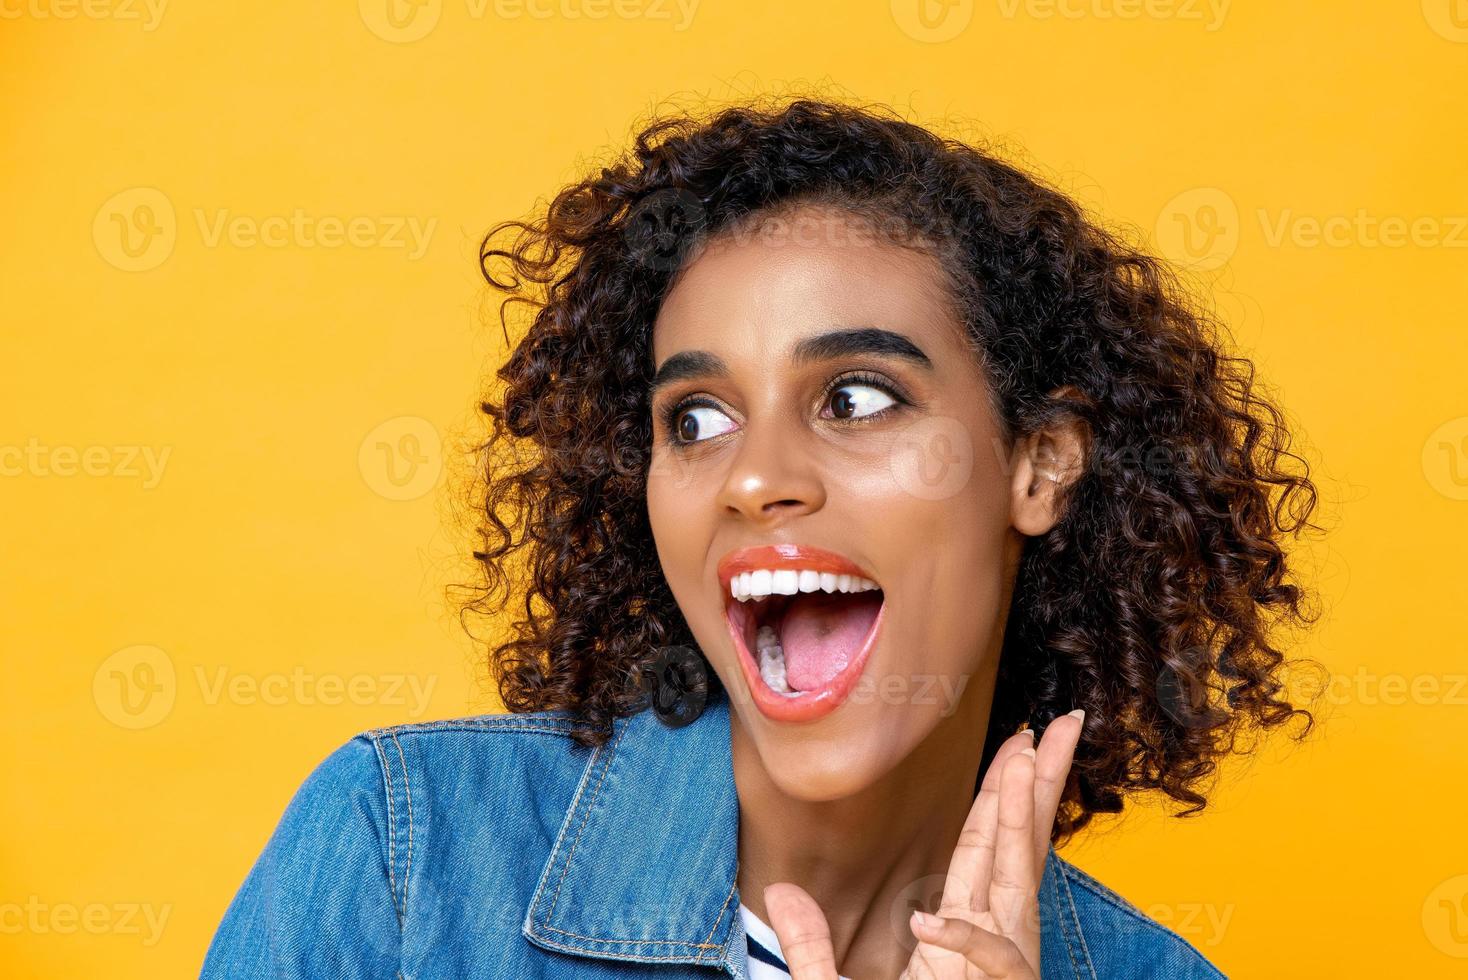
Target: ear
{"type": "Point", "coordinates": [1042, 463]}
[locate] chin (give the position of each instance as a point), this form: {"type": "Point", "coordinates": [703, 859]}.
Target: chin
{"type": "Point", "coordinates": [842, 762]}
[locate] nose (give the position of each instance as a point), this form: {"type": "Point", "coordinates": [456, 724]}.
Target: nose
{"type": "Point", "coordinates": [772, 479]}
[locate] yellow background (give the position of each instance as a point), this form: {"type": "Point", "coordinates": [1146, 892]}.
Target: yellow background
{"type": "Point", "coordinates": [183, 644]}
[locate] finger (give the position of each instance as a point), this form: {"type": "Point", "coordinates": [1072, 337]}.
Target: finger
{"type": "Point", "coordinates": [805, 939]}
{"type": "Point", "coordinates": [996, 956]}
{"type": "Point", "coordinates": [1013, 745]}
{"type": "Point", "coordinates": [967, 884]}
{"type": "Point", "coordinates": [1053, 760]}
{"type": "Point", "coordinates": [1013, 884]}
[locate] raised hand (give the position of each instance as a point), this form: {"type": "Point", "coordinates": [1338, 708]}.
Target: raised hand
{"type": "Point", "coordinates": [988, 925]}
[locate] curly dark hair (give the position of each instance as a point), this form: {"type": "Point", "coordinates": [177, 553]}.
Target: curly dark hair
{"type": "Point", "coordinates": [1151, 604]}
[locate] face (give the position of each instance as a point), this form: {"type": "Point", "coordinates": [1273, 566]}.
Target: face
{"type": "Point", "coordinates": [833, 505]}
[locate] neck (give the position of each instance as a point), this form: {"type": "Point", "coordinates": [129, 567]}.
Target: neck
{"type": "Point", "coordinates": [871, 858]}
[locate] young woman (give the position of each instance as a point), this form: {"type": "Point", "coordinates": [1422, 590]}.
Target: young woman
{"type": "Point", "coordinates": [874, 519]}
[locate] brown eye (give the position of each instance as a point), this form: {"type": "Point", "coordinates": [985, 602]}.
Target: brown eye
{"type": "Point", "coordinates": [701, 422]}
{"type": "Point", "coordinates": [854, 401]}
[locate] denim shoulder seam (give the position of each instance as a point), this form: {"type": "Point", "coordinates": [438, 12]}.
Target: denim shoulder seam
{"type": "Point", "coordinates": [408, 805]}
{"type": "Point", "coordinates": [549, 723]}
{"type": "Point", "coordinates": [1061, 886]}
{"type": "Point", "coordinates": [392, 825]}
{"type": "Point", "coordinates": [1117, 901]}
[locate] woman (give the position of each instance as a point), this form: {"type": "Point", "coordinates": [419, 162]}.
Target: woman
{"type": "Point", "coordinates": [837, 465]}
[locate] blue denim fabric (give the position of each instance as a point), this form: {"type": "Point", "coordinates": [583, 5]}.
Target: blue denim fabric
{"type": "Point", "coordinates": [496, 847]}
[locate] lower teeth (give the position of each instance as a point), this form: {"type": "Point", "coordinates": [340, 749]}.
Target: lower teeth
{"type": "Point", "coordinates": [772, 661]}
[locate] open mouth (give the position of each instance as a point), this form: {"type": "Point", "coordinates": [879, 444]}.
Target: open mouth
{"type": "Point", "coordinates": [803, 621]}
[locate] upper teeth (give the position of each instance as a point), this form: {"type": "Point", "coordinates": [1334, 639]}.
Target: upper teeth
{"type": "Point", "coordinates": [763, 582]}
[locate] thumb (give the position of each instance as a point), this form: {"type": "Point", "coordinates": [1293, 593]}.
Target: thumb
{"type": "Point", "coordinates": [801, 927]}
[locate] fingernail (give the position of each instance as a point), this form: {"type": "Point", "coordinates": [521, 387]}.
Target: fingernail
{"type": "Point", "coordinates": [1031, 733]}
{"type": "Point", "coordinates": [925, 920]}
{"type": "Point", "coordinates": [1078, 714]}
{"type": "Point", "coordinates": [1029, 752]}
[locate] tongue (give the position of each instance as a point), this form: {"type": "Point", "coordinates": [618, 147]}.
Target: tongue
{"type": "Point", "coordinates": [821, 632]}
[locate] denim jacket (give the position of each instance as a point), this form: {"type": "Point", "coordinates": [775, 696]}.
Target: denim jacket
{"type": "Point", "coordinates": [497, 847]}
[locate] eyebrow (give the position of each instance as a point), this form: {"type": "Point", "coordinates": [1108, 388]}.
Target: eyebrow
{"type": "Point", "coordinates": [846, 342]}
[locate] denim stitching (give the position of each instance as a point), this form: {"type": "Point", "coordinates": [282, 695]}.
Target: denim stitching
{"type": "Point", "coordinates": [566, 867]}
{"type": "Point", "coordinates": [1054, 899]}
{"type": "Point", "coordinates": [556, 848]}
{"type": "Point", "coordinates": [391, 827]}
{"type": "Point", "coordinates": [1064, 876]}
{"type": "Point", "coordinates": [612, 754]}
{"type": "Point", "coordinates": [1117, 901]}
{"type": "Point", "coordinates": [544, 923]}
{"type": "Point", "coordinates": [408, 792]}
{"type": "Point", "coordinates": [634, 957]}
{"type": "Point", "coordinates": [504, 722]}
{"type": "Point", "coordinates": [635, 942]}
{"type": "Point", "coordinates": [725, 944]}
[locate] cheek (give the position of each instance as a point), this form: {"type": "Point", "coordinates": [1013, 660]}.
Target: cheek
{"type": "Point", "coordinates": [949, 552]}
{"type": "Point", "coordinates": [680, 517]}
{"type": "Point", "coordinates": [672, 511]}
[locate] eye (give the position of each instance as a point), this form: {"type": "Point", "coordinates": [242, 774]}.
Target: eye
{"type": "Point", "coordinates": [695, 423]}
{"type": "Point", "coordinates": [854, 401]}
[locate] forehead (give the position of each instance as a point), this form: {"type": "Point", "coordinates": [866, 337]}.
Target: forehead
{"type": "Point", "coordinates": [764, 290]}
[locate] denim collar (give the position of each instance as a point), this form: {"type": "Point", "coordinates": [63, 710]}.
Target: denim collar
{"type": "Point", "coordinates": [645, 865]}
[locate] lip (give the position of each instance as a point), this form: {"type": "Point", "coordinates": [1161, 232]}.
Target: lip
{"type": "Point", "coordinates": [809, 705]}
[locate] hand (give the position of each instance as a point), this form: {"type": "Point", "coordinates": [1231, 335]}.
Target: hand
{"type": "Point", "coordinates": [988, 925]}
